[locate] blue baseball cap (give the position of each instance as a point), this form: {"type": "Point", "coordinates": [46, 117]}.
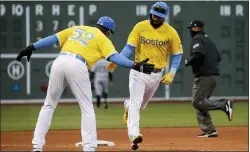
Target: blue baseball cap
{"type": "Point", "coordinates": [159, 9]}
{"type": "Point", "coordinates": [107, 22]}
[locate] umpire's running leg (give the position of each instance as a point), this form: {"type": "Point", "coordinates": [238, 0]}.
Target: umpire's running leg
{"type": "Point", "coordinates": [203, 87]}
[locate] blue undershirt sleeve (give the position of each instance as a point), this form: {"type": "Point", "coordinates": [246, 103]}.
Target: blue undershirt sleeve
{"type": "Point", "coordinates": [175, 63]}
{"type": "Point", "coordinates": [127, 50]}
{"type": "Point", "coordinates": [46, 42]}
{"type": "Point", "coordinates": [121, 60]}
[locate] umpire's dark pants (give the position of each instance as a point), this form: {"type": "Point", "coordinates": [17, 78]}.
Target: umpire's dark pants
{"type": "Point", "coordinates": [203, 87]}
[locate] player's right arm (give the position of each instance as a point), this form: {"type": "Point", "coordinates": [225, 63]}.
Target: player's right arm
{"type": "Point", "coordinates": [109, 52]}
{"type": "Point", "coordinates": [133, 40]}
{"type": "Point", "coordinates": [127, 51]}
{"type": "Point", "coordinates": [129, 48]}
{"type": "Point", "coordinates": [125, 62]}
{"type": "Point", "coordinates": [58, 38]}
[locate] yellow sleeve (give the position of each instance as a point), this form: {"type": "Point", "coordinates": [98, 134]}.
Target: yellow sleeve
{"type": "Point", "coordinates": [176, 46]}
{"type": "Point", "coordinates": [63, 35]}
{"type": "Point", "coordinates": [107, 48]}
{"type": "Point", "coordinates": [134, 36]}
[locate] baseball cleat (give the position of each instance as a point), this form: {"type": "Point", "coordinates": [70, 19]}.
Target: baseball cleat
{"type": "Point", "coordinates": [209, 134]}
{"type": "Point", "coordinates": [135, 141]}
{"type": "Point", "coordinates": [125, 116]}
{"type": "Point", "coordinates": [229, 109]}
{"type": "Point", "coordinates": [36, 149]}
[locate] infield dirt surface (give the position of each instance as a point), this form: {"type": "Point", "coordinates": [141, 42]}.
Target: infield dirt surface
{"type": "Point", "coordinates": [155, 139]}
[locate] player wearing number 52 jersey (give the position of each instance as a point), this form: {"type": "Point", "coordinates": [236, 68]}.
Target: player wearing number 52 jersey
{"type": "Point", "coordinates": [156, 40]}
{"type": "Point", "coordinates": [81, 48]}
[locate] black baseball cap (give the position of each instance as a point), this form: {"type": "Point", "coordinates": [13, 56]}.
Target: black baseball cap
{"type": "Point", "coordinates": [196, 23]}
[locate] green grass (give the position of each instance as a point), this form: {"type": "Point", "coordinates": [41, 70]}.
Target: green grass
{"type": "Point", "coordinates": [15, 118]}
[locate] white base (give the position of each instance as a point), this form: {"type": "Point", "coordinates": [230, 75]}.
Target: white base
{"type": "Point", "coordinates": [100, 143]}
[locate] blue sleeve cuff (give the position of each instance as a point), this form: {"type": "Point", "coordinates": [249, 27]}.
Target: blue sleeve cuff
{"type": "Point", "coordinates": [46, 42]}
{"type": "Point", "coordinates": [173, 70]}
{"type": "Point", "coordinates": [127, 50]}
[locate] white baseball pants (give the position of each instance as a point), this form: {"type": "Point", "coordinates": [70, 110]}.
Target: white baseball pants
{"type": "Point", "coordinates": [142, 88]}
{"type": "Point", "coordinates": [101, 85]}
{"type": "Point", "coordinates": [68, 70]}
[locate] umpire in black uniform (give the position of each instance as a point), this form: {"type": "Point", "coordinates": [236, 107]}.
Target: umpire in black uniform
{"type": "Point", "coordinates": [204, 60]}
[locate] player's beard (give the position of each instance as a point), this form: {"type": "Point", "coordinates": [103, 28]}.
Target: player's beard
{"type": "Point", "coordinates": [157, 22]}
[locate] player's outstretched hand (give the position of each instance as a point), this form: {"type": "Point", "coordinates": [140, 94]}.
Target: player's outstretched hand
{"type": "Point", "coordinates": [143, 66]}
{"type": "Point", "coordinates": [111, 67]}
{"type": "Point", "coordinates": [26, 52]}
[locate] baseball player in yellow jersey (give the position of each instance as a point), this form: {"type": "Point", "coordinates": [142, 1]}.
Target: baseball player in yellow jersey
{"type": "Point", "coordinates": [81, 48]}
{"type": "Point", "coordinates": [156, 40]}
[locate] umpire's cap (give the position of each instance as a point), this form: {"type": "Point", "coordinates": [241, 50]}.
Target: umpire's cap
{"type": "Point", "coordinates": [196, 23]}
{"type": "Point", "coordinates": [107, 22]}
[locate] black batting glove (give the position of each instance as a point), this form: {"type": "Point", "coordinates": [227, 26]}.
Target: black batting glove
{"type": "Point", "coordinates": [143, 66]}
{"type": "Point", "coordinates": [26, 52]}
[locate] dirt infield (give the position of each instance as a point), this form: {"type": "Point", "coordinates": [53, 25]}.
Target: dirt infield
{"type": "Point", "coordinates": [155, 139]}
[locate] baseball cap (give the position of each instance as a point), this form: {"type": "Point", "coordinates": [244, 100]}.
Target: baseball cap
{"type": "Point", "coordinates": [196, 23]}
{"type": "Point", "coordinates": [107, 22]}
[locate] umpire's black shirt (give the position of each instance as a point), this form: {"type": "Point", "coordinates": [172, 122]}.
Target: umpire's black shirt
{"type": "Point", "coordinates": [205, 57]}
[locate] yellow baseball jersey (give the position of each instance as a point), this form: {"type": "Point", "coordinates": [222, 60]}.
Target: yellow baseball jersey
{"type": "Point", "coordinates": [88, 42]}
{"type": "Point", "coordinates": [155, 44]}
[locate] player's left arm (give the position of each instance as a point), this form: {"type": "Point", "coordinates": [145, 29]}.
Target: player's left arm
{"type": "Point", "coordinates": [176, 48]}
{"type": "Point", "coordinates": [177, 51]}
